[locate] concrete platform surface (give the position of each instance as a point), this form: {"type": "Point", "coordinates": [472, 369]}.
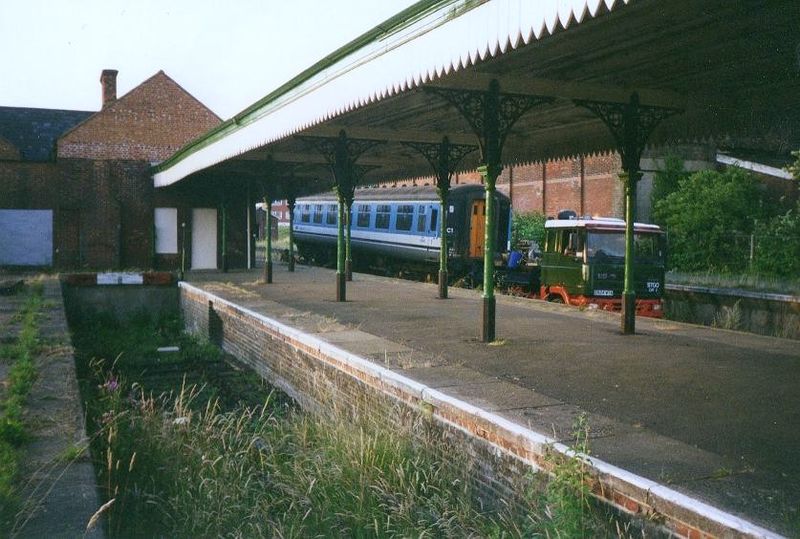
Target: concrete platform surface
{"type": "Point", "coordinates": [710, 413]}
{"type": "Point", "coordinates": [58, 493]}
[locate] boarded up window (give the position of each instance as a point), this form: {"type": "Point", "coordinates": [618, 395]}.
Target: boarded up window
{"type": "Point", "coordinates": [166, 220]}
{"type": "Point", "coordinates": [26, 237]}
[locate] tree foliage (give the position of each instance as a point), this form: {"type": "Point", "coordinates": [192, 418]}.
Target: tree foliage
{"type": "Point", "coordinates": [705, 215]}
{"type": "Point", "coordinates": [527, 226]}
{"type": "Point", "coordinates": [795, 167]}
{"type": "Point", "coordinates": [666, 181]}
{"type": "Point", "coordinates": [778, 240]}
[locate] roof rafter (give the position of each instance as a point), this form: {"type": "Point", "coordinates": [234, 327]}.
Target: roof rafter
{"type": "Point", "coordinates": [391, 135]}
{"type": "Point", "coordinates": [516, 84]}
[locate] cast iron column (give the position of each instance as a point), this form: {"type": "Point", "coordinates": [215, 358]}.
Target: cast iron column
{"type": "Point", "coordinates": [291, 201]}
{"type": "Point", "coordinates": [268, 234]}
{"type": "Point", "coordinates": [224, 237]}
{"type": "Point", "coordinates": [443, 158]}
{"type": "Point", "coordinates": [491, 115]}
{"type": "Point", "coordinates": [341, 257]}
{"type": "Point", "coordinates": [341, 153]}
{"type": "Point", "coordinates": [349, 195]}
{"type": "Point", "coordinates": [631, 125]}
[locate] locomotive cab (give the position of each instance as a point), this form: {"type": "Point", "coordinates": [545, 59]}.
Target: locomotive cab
{"type": "Point", "coordinates": [583, 264]}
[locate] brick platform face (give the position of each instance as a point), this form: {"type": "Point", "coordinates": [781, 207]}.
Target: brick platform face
{"type": "Point", "coordinates": [321, 384]}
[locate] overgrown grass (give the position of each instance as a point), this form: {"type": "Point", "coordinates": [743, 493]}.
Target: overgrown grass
{"type": "Point", "coordinates": [747, 281]}
{"type": "Point", "coordinates": [201, 461]}
{"type": "Point", "coordinates": [20, 354]}
{"type": "Point", "coordinates": [281, 242]}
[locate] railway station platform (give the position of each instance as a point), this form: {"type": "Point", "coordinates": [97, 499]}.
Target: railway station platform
{"type": "Point", "coordinates": [711, 414]}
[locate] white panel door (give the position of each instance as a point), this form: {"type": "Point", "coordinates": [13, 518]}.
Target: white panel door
{"type": "Point", "coordinates": [26, 237]}
{"type": "Point", "coordinates": [204, 238]}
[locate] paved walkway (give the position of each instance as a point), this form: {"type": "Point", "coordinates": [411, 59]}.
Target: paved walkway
{"type": "Point", "coordinates": [711, 413]}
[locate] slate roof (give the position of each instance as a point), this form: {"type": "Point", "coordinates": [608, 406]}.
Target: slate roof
{"type": "Point", "coordinates": [34, 131]}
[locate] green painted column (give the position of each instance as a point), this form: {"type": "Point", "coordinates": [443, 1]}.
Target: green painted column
{"type": "Point", "coordinates": [224, 237]}
{"type": "Point", "coordinates": [443, 247]}
{"type": "Point", "coordinates": [629, 180]}
{"type": "Point", "coordinates": [268, 234]}
{"type": "Point", "coordinates": [183, 250]}
{"type": "Point", "coordinates": [489, 174]}
{"type": "Point", "coordinates": [348, 259]}
{"type": "Point", "coordinates": [291, 203]}
{"type": "Point", "coordinates": [341, 287]}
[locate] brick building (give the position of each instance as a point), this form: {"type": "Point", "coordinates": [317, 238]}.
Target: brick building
{"type": "Point", "coordinates": [76, 187]}
{"type": "Point", "coordinates": [586, 184]}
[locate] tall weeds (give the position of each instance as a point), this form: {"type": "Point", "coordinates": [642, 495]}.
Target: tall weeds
{"type": "Point", "coordinates": [194, 462]}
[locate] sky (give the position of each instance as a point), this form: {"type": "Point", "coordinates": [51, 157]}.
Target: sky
{"type": "Point", "coordinates": [227, 53]}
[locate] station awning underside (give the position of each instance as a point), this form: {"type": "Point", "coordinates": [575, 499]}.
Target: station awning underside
{"type": "Point", "coordinates": [732, 68]}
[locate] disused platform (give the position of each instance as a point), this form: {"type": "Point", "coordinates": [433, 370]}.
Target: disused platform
{"type": "Point", "coordinates": [712, 414]}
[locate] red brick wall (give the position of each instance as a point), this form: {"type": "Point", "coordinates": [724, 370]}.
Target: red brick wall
{"type": "Point", "coordinates": [103, 211]}
{"type": "Point", "coordinates": [149, 123]}
{"type": "Point", "coordinates": [8, 151]}
{"type": "Point", "coordinates": [588, 185]}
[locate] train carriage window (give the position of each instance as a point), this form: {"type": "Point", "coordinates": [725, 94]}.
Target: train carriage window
{"type": "Point", "coordinates": [305, 213]}
{"type": "Point", "coordinates": [364, 213]}
{"type": "Point", "coordinates": [421, 218]}
{"type": "Point", "coordinates": [317, 213]}
{"type": "Point", "coordinates": [331, 216]}
{"type": "Point", "coordinates": [382, 215]}
{"type": "Point", "coordinates": [434, 219]}
{"type": "Point", "coordinates": [405, 216]}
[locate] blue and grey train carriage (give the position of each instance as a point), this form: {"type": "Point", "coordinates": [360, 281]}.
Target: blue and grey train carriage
{"type": "Point", "coordinates": [399, 229]}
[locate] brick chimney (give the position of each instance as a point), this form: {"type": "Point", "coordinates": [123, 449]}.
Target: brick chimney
{"type": "Point", "coordinates": [108, 80]}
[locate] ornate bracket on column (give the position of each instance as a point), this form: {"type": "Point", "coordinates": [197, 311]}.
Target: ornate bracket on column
{"type": "Point", "coordinates": [341, 153]}
{"type": "Point", "coordinates": [491, 115]}
{"type": "Point", "coordinates": [631, 125]}
{"type": "Point", "coordinates": [443, 158]}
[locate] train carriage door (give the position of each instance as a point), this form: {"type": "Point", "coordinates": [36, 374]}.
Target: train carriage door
{"type": "Point", "coordinates": [477, 228]}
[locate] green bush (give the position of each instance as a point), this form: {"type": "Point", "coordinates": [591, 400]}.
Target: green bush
{"type": "Point", "coordinates": [704, 216]}
{"type": "Point", "coordinates": [527, 226]}
{"type": "Point", "coordinates": [778, 245]}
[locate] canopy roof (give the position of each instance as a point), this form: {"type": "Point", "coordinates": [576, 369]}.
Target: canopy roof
{"type": "Point", "coordinates": [732, 67]}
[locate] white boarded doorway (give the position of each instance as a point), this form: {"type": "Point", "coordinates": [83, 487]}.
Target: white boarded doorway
{"type": "Point", "coordinates": [204, 238]}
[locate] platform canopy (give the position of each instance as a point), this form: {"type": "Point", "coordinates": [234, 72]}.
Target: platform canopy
{"type": "Point", "coordinates": [733, 68]}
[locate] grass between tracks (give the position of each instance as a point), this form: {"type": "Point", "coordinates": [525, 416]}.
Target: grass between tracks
{"type": "Point", "coordinates": [19, 355]}
{"type": "Point", "coordinates": [217, 453]}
